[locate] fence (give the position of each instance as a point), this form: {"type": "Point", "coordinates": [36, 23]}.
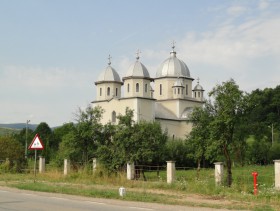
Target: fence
{"type": "Point", "coordinates": [268, 176]}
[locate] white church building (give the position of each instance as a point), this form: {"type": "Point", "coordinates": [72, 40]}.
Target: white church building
{"type": "Point", "coordinates": [167, 98]}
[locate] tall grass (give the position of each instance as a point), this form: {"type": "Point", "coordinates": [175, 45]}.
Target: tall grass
{"type": "Point", "coordinates": [102, 184]}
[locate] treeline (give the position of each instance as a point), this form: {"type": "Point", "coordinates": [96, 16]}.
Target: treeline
{"type": "Point", "coordinates": [232, 126]}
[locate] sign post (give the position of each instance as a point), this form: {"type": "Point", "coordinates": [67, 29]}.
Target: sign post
{"type": "Point", "coordinates": [36, 144]}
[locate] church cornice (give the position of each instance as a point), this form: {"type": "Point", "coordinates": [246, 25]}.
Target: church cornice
{"type": "Point", "coordinates": [123, 98]}
{"type": "Point", "coordinates": [137, 77]}
{"type": "Point", "coordinates": [163, 77]}
{"type": "Point", "coordinates": [182, 99]}
{"type": "Point", "coordinates": [112, 82]}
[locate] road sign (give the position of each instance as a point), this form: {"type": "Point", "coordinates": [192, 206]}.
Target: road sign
{"type": "Point", "coordinates": [36, 144]}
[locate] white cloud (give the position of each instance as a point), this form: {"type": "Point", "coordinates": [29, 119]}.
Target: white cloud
{"type": "Point", "coordinates": [236, 10]}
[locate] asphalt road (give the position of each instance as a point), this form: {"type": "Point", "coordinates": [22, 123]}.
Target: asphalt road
{"type": "Point", "coordinates": [14, 199]}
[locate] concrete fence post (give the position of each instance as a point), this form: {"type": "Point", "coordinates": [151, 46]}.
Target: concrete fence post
{"type": "Point", "coordinates": [219, 172]}
{"type": "Point", "coordinates": [66, 166]}
{"type": "Point", "coordinates": [277, 173]}
{"type": "Point", "coordinates": [130, 171]}
{"type": "Point", "coordinates": [170, 171]}
{"type": "Point", "coordinates": [42, 164]}
{"type": "Point", "coordinates": [94, 164]}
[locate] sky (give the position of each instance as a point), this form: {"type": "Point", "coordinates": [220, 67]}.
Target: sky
{"type": "Point", "coordinates": [52, 51]}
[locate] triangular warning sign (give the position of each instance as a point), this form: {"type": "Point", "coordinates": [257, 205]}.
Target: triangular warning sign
{"type": "Point", "coordinates": [36, 143]}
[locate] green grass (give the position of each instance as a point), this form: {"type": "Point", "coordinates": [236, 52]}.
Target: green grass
{"type": "Point", "coordinates": [187, 187]}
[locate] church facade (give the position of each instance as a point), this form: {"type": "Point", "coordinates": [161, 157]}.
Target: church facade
{"type": "Point", "coordinates": [168, 98]}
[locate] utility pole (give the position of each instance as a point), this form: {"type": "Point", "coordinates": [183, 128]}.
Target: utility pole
{"type": "Point", "coordinates": [26, 131]}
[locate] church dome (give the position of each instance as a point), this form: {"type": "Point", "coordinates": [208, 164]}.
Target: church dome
{"type": "Point", "coordinates": [137, 70]}
{"type": "Point", "coordinates": [173, 67]}
{"type": "Point", "coordinates": [198, 87]}
{"type": "Point", "coordinates": [109, 75]}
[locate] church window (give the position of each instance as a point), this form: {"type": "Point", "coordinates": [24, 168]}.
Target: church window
{"type": "Point", "coordinates": [100, 91]}
{"type": "Point", "coordinates": [137, 87]}
{"type": "Point", "coordinates": [178, 91]}
{"type": "Point", "coordinates": [146, 87]}
{"type": "Point", "coordinates": [116, 91]}
{"type": "Point", "coordinates": [160, 89]}
{"type": "Point", "coordinates": [127, 87]}
{"type": "Point", "coordinates": [187, 90]}
{"type": "Point", "coordinates": [108, 91]}
{"type": "Point", "coordinates": [113, 116]}
{"type": "Point", "coordinates": [195, 94]}
{"type": "Point", "coordinates": [198, 94]}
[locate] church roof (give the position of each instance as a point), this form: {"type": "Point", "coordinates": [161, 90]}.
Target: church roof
{"type": "Point", "coordinates": [137, 69]}
{"type": "Point", "coordinates": [173, 67]}
{"type": "Point", "coordinates": [198, 87]}
{"type": "Point", "coordinates": [109, 74]}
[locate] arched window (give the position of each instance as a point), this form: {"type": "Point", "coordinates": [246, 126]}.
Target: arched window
{"type": "Point", "coordinates": [198, 94]}
{"type": "Point", "coordinates": [160, 89]}
{"type": "Point", "coordinates": [108, 91]}
{"type": "Point", "coordinates": [100, 91]}
{"type": "Point", "coordinates": [113, 116]}
{"type": "Point", "coordinates": [137, 87]}
{"type": "Point", "coordinates": [187, 90]}
{"type": "Point", "coordinates": [127, 87]}
{"type": "Point", "coordinates": [116, 91]}
{"type": "Point", "coordinates": [195, 94]}
{"type": "Point", "coordinates": [146, 87]}
{"type": "Point", "coordinates": [178, 91]}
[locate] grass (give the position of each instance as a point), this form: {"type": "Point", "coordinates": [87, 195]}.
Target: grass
{"type": "Point", "coordinates": [187, 190]}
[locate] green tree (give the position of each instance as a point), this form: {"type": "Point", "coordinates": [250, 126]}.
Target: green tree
{"type": "Point", "coordinates": [228, 107]}
{"type": "Point", "coordinates": [14, 151]}
{"type": "Point", "coordinates": [46, 136]}
{"type": "Point", "coordinates": [88, 130]}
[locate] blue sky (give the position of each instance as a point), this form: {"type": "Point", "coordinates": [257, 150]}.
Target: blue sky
{"type": "Point", "coordinates": [52, 51]}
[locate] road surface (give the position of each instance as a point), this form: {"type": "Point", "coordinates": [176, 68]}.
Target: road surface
{"type": "Point", "coordinates": [14, 199]}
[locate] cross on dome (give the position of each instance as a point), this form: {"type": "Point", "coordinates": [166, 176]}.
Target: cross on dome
{"type": "Point", "coordinates": [138, 54]}
{"type": "Point", "coordinates": [198, 80]}
{"type": "Point", "coordinates": [173, 45]}
{"type": "Point", "coordinates": [109, 59]}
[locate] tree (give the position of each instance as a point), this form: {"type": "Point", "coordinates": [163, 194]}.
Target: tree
{"type": "Point", "coordinates": [14, 151]}
{"type": "Point", "coordinates": [89, 130]}
{"type": "Point", "coordinates": [47, 138]}
{"type": "Point", "coordinates": [199, 139]}
{"type": "Point", "coordinates": [228, 107]}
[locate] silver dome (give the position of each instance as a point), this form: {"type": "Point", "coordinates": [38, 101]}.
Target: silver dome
{"type": "Point", "coordinates": [198, 87]}
{"type": "Point", "coordinates": [137, 70]}
{"type": "Point", "coordinates": [109, 74]}
{"type": "Point", "coordinates": [173, 67]}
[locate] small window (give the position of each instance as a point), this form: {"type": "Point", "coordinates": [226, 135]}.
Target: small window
{"type": "Point", "coordinates": [187, 90]}
{"type": "Point", "coordinates": [178, 91]}
{"type": "Point", "coordinates": [100, 91]}
{"type": "Point", "coordinates": [195, 94]}
{"type": "Point", "coordinates": [116, 91]}
{"type": "Point", "coordinates": [127, 87]}
{"type": "Point", "coordinates": [175, 91]}
{"type": "Point", "coordinates": [108, 91]}
{"type": "Point", "coordinates": [113, 116]}
{"type": "Point", "coordinates": [146, 87]}
{"type": "Point", "coordinates": [160, 89]}
{"type": "Point", "coordinates": [198, 94]}
{"type": "Point", "coordinates": [137, 87]}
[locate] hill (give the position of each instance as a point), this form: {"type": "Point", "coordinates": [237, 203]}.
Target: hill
{"type": "Point", "coordinates": [8, 131]}
{"type": "Point", "coordinates": [18, 126]}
